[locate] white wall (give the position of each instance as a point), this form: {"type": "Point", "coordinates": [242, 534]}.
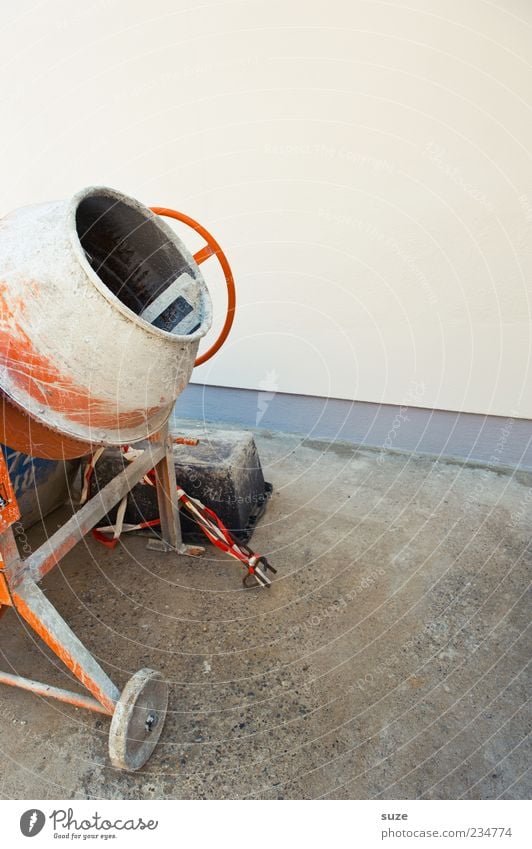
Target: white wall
{"type": "Point", "coordinates": [366, 166]}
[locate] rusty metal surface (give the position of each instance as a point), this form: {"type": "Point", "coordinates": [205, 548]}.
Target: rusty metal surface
{"type": "Point", "coordinates": [75, 355]}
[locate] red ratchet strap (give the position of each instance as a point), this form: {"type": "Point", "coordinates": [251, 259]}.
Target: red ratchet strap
{"type": "Point", "coordinates": [215, 530]}
{"type": "Point", "coordinates": [212, 526]}
{"type": "Point", "coordinates": [87, 474]}
{"type": "Point", "coordinates": [102, 534]}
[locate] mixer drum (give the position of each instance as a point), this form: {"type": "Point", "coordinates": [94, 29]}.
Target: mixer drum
{"type": "Point", "coordinates": [102, 308]}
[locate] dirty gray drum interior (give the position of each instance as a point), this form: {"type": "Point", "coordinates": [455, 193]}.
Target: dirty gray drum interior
{"type": "Point", "coordinates": [133, 256]}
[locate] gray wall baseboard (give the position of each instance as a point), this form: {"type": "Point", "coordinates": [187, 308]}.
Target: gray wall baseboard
{"type": "Point", "coordinates": [489, 440]}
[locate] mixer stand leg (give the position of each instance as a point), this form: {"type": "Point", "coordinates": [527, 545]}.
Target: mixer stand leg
{"type": "Point", "coordinates": [33, 606]}
{"type": "Point", "coordinates": [138, 712]}
{"type": "Point", "coordinates": [168, 504]}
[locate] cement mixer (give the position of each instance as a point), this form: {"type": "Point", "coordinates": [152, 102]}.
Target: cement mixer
{"type": "Point", "coordinates": [102, 308]}
{"type": "Point", "coordinates": [102, 311]}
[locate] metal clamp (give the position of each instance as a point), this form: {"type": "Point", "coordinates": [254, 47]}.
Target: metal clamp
{"type": "Point", "coordinates": [256, 576]}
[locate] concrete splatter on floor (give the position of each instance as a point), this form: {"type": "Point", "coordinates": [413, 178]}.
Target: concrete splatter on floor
{"type": "Point", "coordinates": [388, 659]}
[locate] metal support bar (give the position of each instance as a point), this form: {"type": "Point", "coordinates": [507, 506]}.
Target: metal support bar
{"type": "Point", "coordinates": [11, 559]}
{"type": "Point", "coordinates": [46, 690]}
{"type": "Point", "coordinates": [45, 620]}
{"type": "Point", "coordinates": [60, 543]}
{"type": "Point", "coordinates": [167, 499]}
{"type": "Point", "coordinates": [5, 598]}
{"type": "Point", "coordinates": [20, 577]}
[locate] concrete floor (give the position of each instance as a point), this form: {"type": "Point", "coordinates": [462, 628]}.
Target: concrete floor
{"type": "Point", "coordinates": [388, 660]}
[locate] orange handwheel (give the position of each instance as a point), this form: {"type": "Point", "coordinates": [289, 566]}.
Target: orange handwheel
{"type": "Point", "coordinates": [212, 248]}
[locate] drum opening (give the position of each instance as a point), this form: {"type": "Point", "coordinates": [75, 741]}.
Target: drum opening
{"type": "Point", "coordinates": [133, 256]}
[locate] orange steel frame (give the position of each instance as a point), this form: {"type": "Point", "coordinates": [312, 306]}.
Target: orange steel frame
{"type": "Point", "coordinates": [19, 577]}
{"type": "Point", "coordinates": [212, 248]}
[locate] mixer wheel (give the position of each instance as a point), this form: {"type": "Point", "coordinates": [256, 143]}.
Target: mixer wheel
{"type": "Point", "coordinates": [138, 720]}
